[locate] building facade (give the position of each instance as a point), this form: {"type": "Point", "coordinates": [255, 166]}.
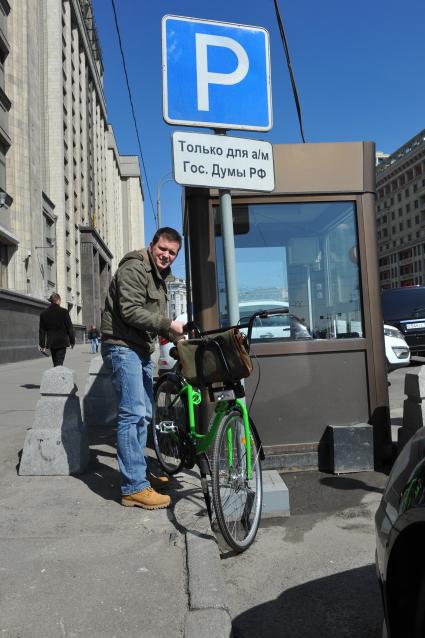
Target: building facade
{"type": "Point", "coordinates": [177, 297]}
{"type": "Point", "coordinates": [73, 205]}
{"type": "Point", "coordinates": [400, 215]}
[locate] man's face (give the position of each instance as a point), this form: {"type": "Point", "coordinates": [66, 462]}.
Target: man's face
{"type": "Point", "coordinates": [164, 252]}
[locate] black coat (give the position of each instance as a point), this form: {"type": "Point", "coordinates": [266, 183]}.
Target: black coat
{"type": "Point", "coordinates": [56, 330]}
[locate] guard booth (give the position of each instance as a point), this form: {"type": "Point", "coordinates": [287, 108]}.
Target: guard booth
{"type": "Point", "coordinates": [310, 246]}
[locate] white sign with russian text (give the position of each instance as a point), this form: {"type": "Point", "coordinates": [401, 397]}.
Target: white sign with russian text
{"type": "Point", "coordinates": [219, 161]}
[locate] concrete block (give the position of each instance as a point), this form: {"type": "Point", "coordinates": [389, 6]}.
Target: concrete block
{"type": "Point", "coordinates": [98, 367]}
{"type": "Point", "coordinates": [54, 453]}
{"type": "Point", "coordinates": [57, 445]}
{"type": "Point", "coordinates": [57, 412]}
{"type": "Point", "coordinates": [59, 380]}
{"type": "Point", "coordinates": [404, 434]}
{"type": "Point", "coordinates": [413, 414]}
{"type": "Point", "coordinates": [414, 384]}
{"type": "Point", "coordinates": [275, 495]}
{"type": "Point", "coordinates": [351, 448]}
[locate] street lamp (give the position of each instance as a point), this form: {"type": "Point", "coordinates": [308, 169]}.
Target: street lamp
{"type": "Point", "coordinates": [165, 178]}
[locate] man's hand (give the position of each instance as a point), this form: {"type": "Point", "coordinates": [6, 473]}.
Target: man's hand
{"type": "Point", "coordinates": [176, 328]}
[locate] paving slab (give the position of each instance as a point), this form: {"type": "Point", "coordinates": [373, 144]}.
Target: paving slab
{"type": "Point", "coordinates": [73, 561]}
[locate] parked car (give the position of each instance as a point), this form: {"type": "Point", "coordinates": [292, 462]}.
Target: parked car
{"type": "Point", "coordinates": [284, 326]}
{"type": "Point", "coordinates": [404, 308]}
{"type": "Point", "coordinates": [400, 539]}
{"type": "Point", "coordinates": [397, 351]}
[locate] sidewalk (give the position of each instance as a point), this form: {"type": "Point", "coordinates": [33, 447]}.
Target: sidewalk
{"type": "Point", "coordinates": [74, 562]}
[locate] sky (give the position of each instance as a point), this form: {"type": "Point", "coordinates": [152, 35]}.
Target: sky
{"type": "Point", "coordinates": [358, 68]}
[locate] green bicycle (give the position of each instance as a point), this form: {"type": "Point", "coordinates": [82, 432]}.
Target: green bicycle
{"type": "Point", "coordinates": [236, 451]}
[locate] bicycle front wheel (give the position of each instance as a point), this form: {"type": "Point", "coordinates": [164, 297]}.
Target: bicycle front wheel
{"type": "Point", "coordinates": [168, 420]}
{"type": "Point", "coordinates": [237, 499]}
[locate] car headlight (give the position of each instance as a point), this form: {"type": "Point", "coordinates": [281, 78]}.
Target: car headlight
{"type": "Point", "coordinates": [393, 332]}
{"type": "Point", "coordinates": [401, 353]}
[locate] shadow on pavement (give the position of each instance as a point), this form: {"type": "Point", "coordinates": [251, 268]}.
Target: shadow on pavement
{"type": "Point", "coordinates": [344, 605]}
{"type": "Point", "coordinates": [103, 478]}
{"type": "Point", "coordinates": [348, 483]}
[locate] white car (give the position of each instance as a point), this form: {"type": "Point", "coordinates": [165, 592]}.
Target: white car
{"type": "Point", "coordinates": [284, 326]}
{"type": "Point", "coordinates": [397, 351]}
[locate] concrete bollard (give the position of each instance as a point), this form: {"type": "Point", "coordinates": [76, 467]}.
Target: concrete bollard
{"type": "Point", "coordinates": [99, 403]}
{"type": "Point", "coordinates": [413, 406]}
{"type": "Point", "coordinates": [57, 444]}
{"type": "Point", "coordinates": [351, 448]}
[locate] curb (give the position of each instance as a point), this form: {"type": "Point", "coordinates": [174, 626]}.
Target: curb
{"type": "Point", "coordinates": [208, 614]}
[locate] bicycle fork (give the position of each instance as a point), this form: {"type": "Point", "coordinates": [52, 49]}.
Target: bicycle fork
{"type": "Point", "coordinates": [246, 441]}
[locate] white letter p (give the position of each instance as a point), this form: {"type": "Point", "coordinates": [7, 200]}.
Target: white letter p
{"type": "Point", "coordinates": [204, 77]}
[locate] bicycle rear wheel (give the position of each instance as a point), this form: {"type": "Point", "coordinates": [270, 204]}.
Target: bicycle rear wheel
{"type": "Point", "coordinates": [169, 418]}
{"type": "Point", "coordinates": [237, 500]}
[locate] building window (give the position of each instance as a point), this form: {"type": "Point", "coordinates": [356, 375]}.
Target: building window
{"type": "Point", "coordinates": [3, 151]}
{"type": "Point", "coordinates": [301, 256]}
{"type": "Point", "coordinates": [4, 260]}
{"type": "Point", "coordinates": [3, 56]}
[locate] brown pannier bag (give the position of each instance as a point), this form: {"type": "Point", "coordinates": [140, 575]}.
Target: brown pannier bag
{"type": "Point", "coordinates": [202, 359]}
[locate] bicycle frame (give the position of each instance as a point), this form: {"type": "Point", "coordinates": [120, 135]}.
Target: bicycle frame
{"type": "Point", "coordinates": [203, 441]}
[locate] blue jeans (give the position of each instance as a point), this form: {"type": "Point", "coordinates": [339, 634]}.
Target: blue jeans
{"type": "Point", "coordinates": [132, 379]}
{"type": "Point", "coordinates": [94, 345]}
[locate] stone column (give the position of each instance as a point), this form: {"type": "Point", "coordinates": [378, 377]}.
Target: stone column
{"type": "Point", "coordinates": [413, 407]}
{"type": "Point", "coordinates": [57, 444]}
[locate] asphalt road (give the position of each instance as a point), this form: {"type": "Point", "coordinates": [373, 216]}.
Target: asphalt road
{"type": "Point", "coordinates": [313, 573]}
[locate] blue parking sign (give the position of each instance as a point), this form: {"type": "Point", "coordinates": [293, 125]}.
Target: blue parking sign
{"type": "Point", "coordinates": [216, 74]}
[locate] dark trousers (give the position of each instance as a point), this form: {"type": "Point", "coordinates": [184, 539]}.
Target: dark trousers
{"type": "Point", "coordinates": [58, 356]}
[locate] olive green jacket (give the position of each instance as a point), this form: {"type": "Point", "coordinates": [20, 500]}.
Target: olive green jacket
{"type": "Point", "coordinates": [136, 303]}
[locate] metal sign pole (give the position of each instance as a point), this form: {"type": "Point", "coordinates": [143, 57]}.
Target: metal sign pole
{"type": "Point", "coordinates": [229, 255]}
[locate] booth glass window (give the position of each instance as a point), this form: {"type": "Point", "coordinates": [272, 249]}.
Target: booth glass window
{"type": "Point", "coordinates": [302, 257]}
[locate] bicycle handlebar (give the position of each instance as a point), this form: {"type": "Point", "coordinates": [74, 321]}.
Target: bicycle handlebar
{"type": "Point", "coordinates": [262, 313]}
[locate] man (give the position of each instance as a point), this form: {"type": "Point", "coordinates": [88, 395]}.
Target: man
{"type": "Point", "coordinates": [93, 336]}
{"type": "Point", "coordinates": [56, 331]}
{"type": "Point", "coordinates": [132, 320]}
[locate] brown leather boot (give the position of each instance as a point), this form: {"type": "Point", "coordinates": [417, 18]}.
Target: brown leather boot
{"type": "Point", "coordinates": [158, 482]}
{"type": "Point", "coordinates": [147, 498]}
